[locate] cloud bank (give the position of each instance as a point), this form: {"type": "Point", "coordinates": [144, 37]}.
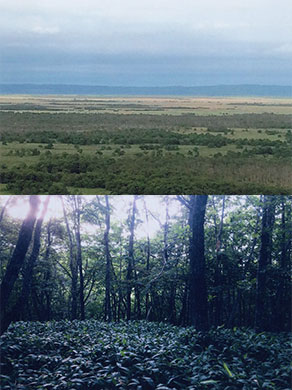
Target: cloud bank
{"type": "Point", "coordinates": [186, 42]}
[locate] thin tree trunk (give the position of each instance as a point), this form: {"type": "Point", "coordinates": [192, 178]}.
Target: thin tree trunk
{"type": "Point", "coordinates": [280, 315]}
{"type": "Point", "coordinates": [73, 266]}
{"type": "Point", "coordinates": [183, 318]}
{"type": "Point", "coordinates": [261, 315]}
{"type": "Point", "coordinates": [108, 309]}
{"type": "Point", "coordinates": [120, 293]}
{"type": "Point", "coordinates": [137, 309]}
{"type": "Point", "coordinates": [131, 259]}
{"type": "Point", "coordinates": [217, 277]}
{"type": "Point", "coordinates": [48, 293]}
{"type": "Point", "coordinates": [148, 252]}
{"type": "Point", "coordinates": [77, 205]}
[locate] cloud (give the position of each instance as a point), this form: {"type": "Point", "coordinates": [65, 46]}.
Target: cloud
{"type": "Point", "coordinates": [286, 48]}
{"type": "Point", "coordinates": [174, 39]}
{"type": "Point", "coordinates": [50, 30]}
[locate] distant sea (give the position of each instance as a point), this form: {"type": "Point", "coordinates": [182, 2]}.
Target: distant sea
{"type": "Point", "coordinates": [218, 90]}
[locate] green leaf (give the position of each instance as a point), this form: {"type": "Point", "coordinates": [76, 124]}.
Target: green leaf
{"type": "Point", "coordinates": [209, 382]}
{"type": "Point", "coordinates": [227, 370]}
{"type": "Point", "coordinates": [149, 381]}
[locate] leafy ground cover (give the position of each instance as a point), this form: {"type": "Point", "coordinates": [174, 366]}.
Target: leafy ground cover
{"type": "Point", "coordinates": [141, 355]}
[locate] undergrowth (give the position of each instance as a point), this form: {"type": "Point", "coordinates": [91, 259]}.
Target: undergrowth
{"type": "Point", "coordinates": [141, 355]}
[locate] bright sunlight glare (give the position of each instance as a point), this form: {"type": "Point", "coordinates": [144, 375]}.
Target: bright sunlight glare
{"type": "Point", "coordinates": [18, 208]}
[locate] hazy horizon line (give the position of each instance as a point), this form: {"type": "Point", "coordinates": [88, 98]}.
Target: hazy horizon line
{"type": "Point", "coordinates": [154, 86]}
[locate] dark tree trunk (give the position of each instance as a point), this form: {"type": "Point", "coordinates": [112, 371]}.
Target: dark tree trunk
{"type": "Point", "coordinates": [172, 310]}
{"type": "Point", "coordinates": [18, 256]}
{"type": "Point", "coordinates": [131, 259]}
{"type": "Point", "coordinates": [73, 266]}
{"type": "Point", "coordinates": [48, 292]}
{"type": "Point", "coordinates": [165, 232]}
{"type": "Point", "coordinates": [281, 316]}
{"type": "Point", "coordinates": [198, 290]}
{"type": "Point", "coordinates": [148, 252]}
{"type": "Point", "coordinates": [17, 310]}
{"type": "Point", "coordinates": [183, 318]}
{"type": "Point", "coordinates": [77, 205]}
{"type": "Point", "coordinates": [261, 313]}
{"type": "Point", "coordinates": [171, 304]}
{"type": "Point", "coordinates": [108, 309]}
{"type": "Point", "coordinates": [120, 293]}
{"type": "Point", "coordinates": [137, 297]}
{"type": "Point", "coordinates": [218, 300]}
{"type": "Point", "coordinates": [136, 288]}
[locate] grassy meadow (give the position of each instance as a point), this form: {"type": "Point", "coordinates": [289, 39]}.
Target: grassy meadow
{"type": "Point", "coordinates": [66, 144]}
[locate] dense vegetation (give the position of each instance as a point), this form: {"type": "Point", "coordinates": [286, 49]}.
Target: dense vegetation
{"type": "Point", "coordinates": [145, 292]}
{"type": "Point", "coordinates": [30, 121]}
{"type": "Point", "coordinates": [93, 355]}
{"type": "Point", "coordinates": [154, 174]}
{"type": "Point", "coordinates": [96, 249]}
{"type": "Point", "coordinates": [109, 152]}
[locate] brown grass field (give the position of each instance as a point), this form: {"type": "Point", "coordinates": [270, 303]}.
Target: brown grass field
{"type": "Point", "coordinates": [155, 105]}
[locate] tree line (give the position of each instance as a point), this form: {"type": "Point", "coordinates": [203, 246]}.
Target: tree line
{"type": "Point", "coordinates": [139, 174]}
{"type": "Point", "coordinates": [210, 261]}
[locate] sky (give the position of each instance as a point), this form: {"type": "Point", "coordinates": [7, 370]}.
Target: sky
{"type": "Point", "coordinates": [146, 42]}
{"type": "Point", "coordinates": [121, 205]}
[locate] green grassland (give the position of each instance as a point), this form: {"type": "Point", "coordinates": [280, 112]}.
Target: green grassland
{"type": "Point", "coordinates": [164, 145]}
{"type": "Point", "coordinates": [15, 153]}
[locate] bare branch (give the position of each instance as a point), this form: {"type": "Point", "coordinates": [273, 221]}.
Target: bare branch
{"type": "Point", "coordinates": [183, 200]}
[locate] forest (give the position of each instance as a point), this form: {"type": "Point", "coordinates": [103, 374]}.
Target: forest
{"type": "Point", "coordinates": [98, 145]}
{"type": "Point", "coordinates": [146, 292]}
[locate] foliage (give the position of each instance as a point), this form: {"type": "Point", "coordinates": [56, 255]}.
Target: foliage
{"type": "Point", "coordinates": [130, 153]}
{"type": "Point", "coordinates": [141, 355]}
{"type": "Point", "coordinates": [149, 174]}
{"type": "Point", "coordinates": [160, 288]}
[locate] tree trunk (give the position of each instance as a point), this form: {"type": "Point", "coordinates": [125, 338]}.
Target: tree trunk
{"type": "Point", "coordinates": [120, 292]}
{"type": "Point", "coordinates": [131, 258]}
{"type": "Point", "coordinates": [73, 266]}
{"type": "Point", "coordinates": [183, 317]}
{"type": "Point", "coordinates": [18, 256]}
{"type": "Point", "coordinates": [218, 273]}
{"type": "Point", "coordinates": [281, 316]}
{"type": "Point", "coordinates": [261, 315]}
{"type": "Point", "coordinates": [77, 204]}
{"type": "Point", "coordinates": [198, 289]}
{"type": "Point", "coordinates": [108, 309]}
{"type": "Point", "coordinates": [48, 276]}
{"type": "Point", "coordinates": [148, 252]}
{"type": "Point", "coordinates": [17, 310]}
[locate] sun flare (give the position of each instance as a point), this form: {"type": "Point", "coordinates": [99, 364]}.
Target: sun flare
{"type": "Point", "coordinates": [18, 207]}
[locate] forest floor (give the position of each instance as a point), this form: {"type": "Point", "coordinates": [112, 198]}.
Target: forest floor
{"type": "Point", "coordinates": [142, 355]}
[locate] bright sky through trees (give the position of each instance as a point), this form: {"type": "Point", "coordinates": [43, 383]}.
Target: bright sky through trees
{"type": "Point", "coordinates": [121, 205]}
